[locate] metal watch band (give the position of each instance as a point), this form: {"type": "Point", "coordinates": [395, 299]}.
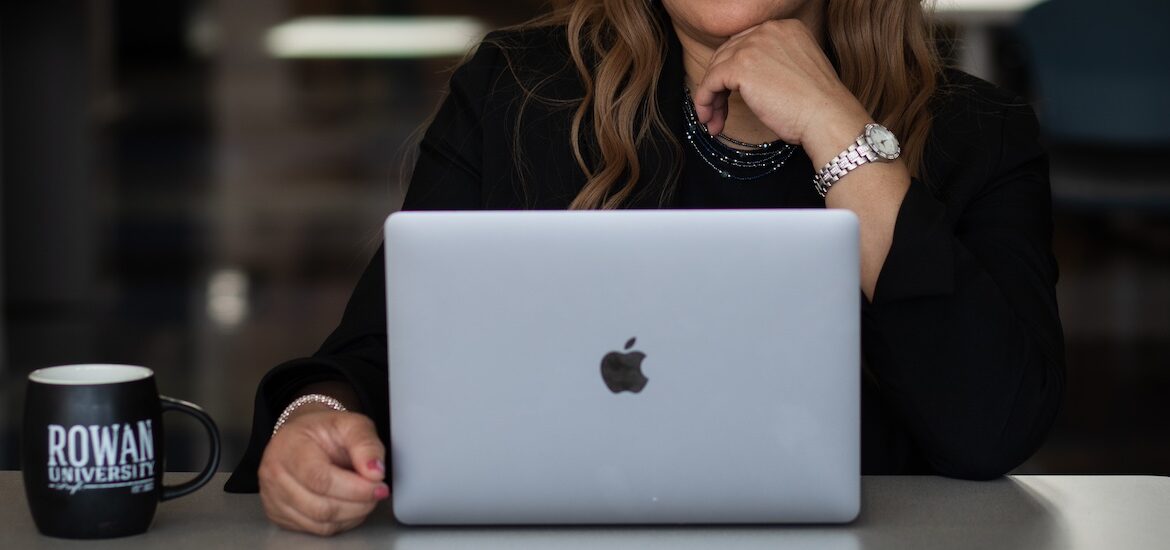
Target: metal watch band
{"type": "Point", "coordinates": [305, 400]}
{"type": "Point", "coordinates": [856, 155]}
{"type": "Point", "coordinates": [875, 144]}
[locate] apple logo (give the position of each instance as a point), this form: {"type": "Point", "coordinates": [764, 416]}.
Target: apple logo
{"type": "Point", "coordinates": [623, 371]}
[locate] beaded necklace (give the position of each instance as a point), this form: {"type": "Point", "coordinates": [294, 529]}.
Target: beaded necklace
{"type": "Point", "coordinates": [757, 161]}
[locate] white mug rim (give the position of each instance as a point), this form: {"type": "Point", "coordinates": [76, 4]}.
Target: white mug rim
{"type": "Point", "coordinates": [89, 374]}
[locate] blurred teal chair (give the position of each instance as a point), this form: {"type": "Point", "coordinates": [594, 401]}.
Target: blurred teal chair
{"type": "Point", "coordinates": [1100, 78]}
{"type": "Point", "coordinates": [1101, 70]}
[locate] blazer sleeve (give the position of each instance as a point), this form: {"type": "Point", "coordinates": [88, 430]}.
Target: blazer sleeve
{"type": "Point", "coordinates": [963, 336]}
{"type": "Point", "coordinates": [446, 176]}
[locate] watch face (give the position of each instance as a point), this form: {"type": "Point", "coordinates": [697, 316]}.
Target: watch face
{"type": "Point", "coordinates": [883, 142]}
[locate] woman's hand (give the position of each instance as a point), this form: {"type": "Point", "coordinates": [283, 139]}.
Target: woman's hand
{"type": "Point", "coordinates": [322, 472]}
{"type": "Point", "coordinates": [781, 73]}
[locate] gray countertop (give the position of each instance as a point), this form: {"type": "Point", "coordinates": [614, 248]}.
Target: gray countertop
{"type": "Point", "coordinates": [1034, 512]}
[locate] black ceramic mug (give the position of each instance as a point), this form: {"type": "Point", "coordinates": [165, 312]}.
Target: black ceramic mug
{"type": "Point", "coordinates": [93, 450]}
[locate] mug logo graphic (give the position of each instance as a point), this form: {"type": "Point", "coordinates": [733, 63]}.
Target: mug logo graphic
{"type": "Point", "coordinates": [101, 457]}
{"type": "Point", "coordinates": [623, 371]}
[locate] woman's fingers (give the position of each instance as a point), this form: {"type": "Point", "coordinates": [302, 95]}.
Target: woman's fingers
{"type": "Point", "coordinates": [779, 71]}
{"type": "Point", "coordinates": [326, 479]}
{"type": "Point", "coordinates": [359, 439]}
{"type": "Point", "coordinates": [713, 92]}
{"type": "Point", "coordinates": [307, 476]}
{"type": "Point", "coordinates": [710, 98]}
{"type": "Point", "coordinates": [283, 513]}
{"type": "Point", "coordinates": [323, 508]}
{"type": "Point", "coordinates": [288, 502]}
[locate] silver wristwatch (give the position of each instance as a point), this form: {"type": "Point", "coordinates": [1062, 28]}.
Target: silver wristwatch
{"type": "Point", "coordinates": [875, 144]}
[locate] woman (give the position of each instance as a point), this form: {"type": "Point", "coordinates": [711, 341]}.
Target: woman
{"type": "Point", "coordinates": [603, 105]}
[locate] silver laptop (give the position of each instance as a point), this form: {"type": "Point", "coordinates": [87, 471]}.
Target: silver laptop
{"type": "Point", "coordinates": [624, 367]}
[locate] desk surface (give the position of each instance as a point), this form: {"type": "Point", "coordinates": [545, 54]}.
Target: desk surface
{"type": "Point", "coordinates": [1034, 512]}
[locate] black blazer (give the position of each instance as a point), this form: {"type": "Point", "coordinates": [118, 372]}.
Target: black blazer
{"type": "Point", "coordinates": [962, 345]}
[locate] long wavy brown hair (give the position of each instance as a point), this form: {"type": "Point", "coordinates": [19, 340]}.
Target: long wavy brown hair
{"type": "Point", "coordinates": [883, 50]}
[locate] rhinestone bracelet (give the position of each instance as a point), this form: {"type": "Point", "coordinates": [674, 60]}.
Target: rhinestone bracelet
{"type": "Point", "coordinates": [305, 400]}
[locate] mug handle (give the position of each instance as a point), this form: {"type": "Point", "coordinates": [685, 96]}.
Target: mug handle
{"type": "Point", "coordinates": [187, 487]}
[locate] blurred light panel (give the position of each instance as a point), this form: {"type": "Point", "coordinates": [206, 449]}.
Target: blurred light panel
{"type": "Point", "coordinates": [987, 7]}
{"type": "Point", "coordinates": [374, 37]}
{"type": "Point", "coordinates": [227, 297]}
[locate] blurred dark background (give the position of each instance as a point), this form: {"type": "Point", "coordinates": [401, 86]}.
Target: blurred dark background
{"type": "Point", "coordinates": [178, 194]}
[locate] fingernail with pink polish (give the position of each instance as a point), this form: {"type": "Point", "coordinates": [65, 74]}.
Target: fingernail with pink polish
{"type": "Point", "coordinates": [382, 492]}
{"type": "Point", "coordinates": [376, 465]}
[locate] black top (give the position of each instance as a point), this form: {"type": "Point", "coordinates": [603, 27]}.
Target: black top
{"type": "Point", "coordinates": [963, 355]}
